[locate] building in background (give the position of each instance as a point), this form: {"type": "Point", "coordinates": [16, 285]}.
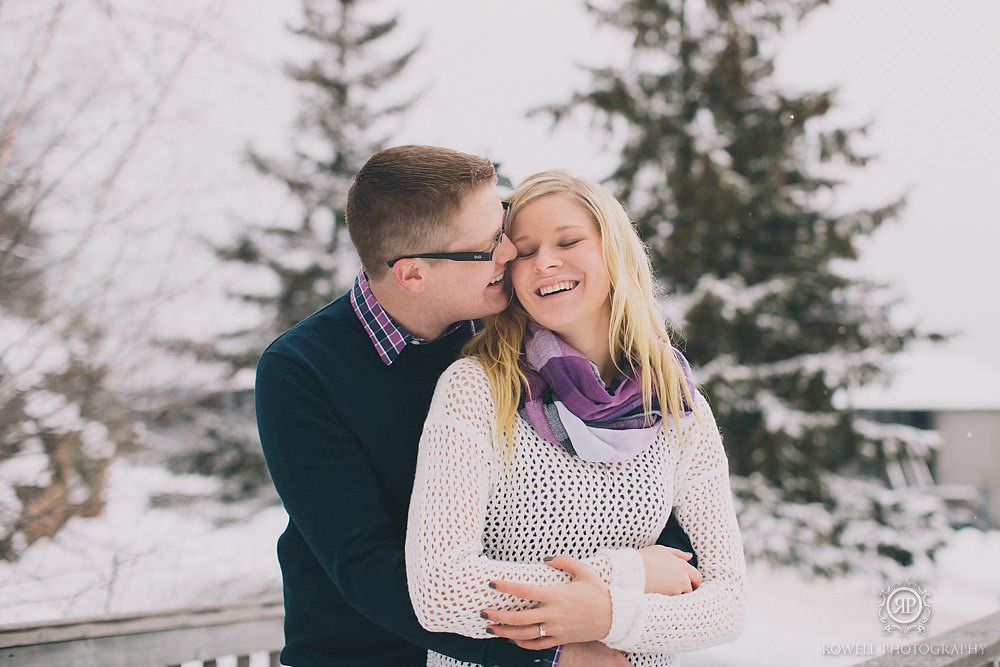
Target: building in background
{"type": "Point", "coordinates": [960, 399]}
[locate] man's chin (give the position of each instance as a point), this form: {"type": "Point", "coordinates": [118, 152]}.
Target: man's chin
{"type": "Point", "coordinates": [492, 306]}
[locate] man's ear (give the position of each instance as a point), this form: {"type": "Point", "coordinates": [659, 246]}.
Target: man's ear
{"type": "Point", "coordinates": [409, 273]}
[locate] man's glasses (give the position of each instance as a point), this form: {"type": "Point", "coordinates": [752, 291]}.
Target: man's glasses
{"type": "Point", "coordinates": [483, 256]}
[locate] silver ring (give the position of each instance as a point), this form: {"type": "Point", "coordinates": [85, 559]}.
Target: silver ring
{"type": "Point", "coordinates": [541, 630]}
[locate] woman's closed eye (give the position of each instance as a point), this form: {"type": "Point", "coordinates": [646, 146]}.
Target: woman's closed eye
{"type": "Point", "coordinates": [528, 252]}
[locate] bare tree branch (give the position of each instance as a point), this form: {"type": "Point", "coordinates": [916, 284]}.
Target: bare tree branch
{"type": "Point", "coordinates": [109, 181]}
{"type": "Point", "coordinates": [17, 113]}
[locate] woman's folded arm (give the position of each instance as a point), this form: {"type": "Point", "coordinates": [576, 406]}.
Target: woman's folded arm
{"type": "Point", "coordinates": [713, 613]}
{"type": "Point", "coordinates": [448, 574]}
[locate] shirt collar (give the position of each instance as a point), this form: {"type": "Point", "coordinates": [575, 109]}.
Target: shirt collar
{"type": "Point", "coordinates": [388, 337]}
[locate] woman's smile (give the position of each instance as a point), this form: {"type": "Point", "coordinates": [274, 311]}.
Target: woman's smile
{"type": "Point", "coordinates": [560, 287]}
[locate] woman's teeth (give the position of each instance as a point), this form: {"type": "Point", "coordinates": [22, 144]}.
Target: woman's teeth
{"type": "Point", "coordinates": [558, 287]}
{"type": "Point", "coordinates": [496, 280]}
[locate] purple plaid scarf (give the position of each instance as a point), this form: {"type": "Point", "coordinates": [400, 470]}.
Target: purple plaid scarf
{"type": "Point", "coordinates": [567, 403]}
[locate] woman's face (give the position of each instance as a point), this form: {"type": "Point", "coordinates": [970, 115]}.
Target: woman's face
{"type": "Point", "coordinates": [559, 274]}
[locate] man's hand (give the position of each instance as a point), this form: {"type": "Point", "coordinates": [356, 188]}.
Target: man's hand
{"type": "Point", "coordinates": [591, 654]}
{"type": "Point", "coordinates": [668, 572]}
{"type": "Point", "coordinates": [579, 611]}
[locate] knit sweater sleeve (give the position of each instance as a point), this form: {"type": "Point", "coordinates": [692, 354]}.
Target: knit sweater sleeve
{"type": "Point", "coordinates": [712, 613]}
{"type": "Point", "coordinates": [448, 573]}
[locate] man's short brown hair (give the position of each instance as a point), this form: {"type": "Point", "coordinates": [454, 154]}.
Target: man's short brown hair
{"type": "Point", "coordinates": [403, 200]}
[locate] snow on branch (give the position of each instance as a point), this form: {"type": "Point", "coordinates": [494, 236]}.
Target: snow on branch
{"type": "Point", "coordinates": [837, 366]}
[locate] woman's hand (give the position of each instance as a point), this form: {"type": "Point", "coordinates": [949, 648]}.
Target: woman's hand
{"type": "Point", "coordinates": [579, 611]}
{"type": "Point", "coordinates": [668, 571]}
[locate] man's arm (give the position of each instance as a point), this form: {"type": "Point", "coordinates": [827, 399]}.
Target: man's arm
{"type": "Point", "coordinates": [674, 536]}
{"type": "Point", "coordinates": [330, 491]}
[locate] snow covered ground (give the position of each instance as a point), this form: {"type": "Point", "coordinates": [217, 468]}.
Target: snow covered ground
{"type": "Point", "coordinates": [795, 622]}
{"type": "Point", "coordinates": [135, 558]}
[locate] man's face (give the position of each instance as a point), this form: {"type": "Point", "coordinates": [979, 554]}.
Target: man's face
{"type": "Point", "coordinates": [471, 290]}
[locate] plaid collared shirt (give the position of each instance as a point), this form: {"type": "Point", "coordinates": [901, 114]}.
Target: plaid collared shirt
{"type": "Point", "coordinates": [388, 337]}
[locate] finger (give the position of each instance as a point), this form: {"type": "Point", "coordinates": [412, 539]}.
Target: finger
{"type": "Point", "coordinates": [695, 577]}
{"type": "Point", "coordinates": [523, 617]}
{"type": "Point", "coordinates": [577, 569]}
{"type": "Point", "coordinates": [523, 591]}
{"type": "Point", "coordinates": [517, 633]}
{"type": "Point", "coordinates": [686, 555]}
{"type": "Point", "coordinates": [538, 644]}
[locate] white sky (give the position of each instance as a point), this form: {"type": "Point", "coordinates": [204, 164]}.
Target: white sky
{"type": "Point", "coordinates": [922, 70]}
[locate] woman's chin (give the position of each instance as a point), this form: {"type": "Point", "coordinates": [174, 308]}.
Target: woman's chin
{"type": "Point", "coordinates": [552, 325]}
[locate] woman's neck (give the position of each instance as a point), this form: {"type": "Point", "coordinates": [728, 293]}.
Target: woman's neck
{"type": "Point", "coordinates": [592, 342]}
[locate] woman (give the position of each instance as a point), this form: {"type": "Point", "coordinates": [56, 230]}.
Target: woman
{"type": "Point", "coordinates": [571, 428]}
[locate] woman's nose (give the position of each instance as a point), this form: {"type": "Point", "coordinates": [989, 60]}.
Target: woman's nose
{"type": "Point", "coordinates": [547, 258]}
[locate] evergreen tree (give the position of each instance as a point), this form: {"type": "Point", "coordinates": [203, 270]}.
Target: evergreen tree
{"type": "Point", "coordinates": [725, 176]}
{"type": "Point", "coordinates": [345, 113]}
{"type": "Point", "coordinates": [344, 109]}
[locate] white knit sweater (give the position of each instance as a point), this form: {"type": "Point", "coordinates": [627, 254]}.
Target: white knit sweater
{"type": "Point", "coordinates": [477, 516]}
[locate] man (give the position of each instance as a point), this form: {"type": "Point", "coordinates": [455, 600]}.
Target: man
{"type": "Point", "coordinates": [341, 399]}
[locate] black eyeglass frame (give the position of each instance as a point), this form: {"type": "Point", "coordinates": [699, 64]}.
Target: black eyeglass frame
{"type": "Point", "coordinates": [481, 256]}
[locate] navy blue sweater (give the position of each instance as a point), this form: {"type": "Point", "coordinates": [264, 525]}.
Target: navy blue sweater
{"type": "Point", "coordinates": [339, 431]}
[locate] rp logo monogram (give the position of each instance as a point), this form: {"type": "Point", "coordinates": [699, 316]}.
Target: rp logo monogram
{"type": "Point", "coordinates": [904, 608]}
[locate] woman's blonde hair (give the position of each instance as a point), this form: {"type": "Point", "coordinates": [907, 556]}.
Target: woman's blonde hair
{"type": "Point", "coordinates": [638, 338]}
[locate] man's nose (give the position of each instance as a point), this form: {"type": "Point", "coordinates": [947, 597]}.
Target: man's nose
{"type": "Point", "coordinates": [505, 252]}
